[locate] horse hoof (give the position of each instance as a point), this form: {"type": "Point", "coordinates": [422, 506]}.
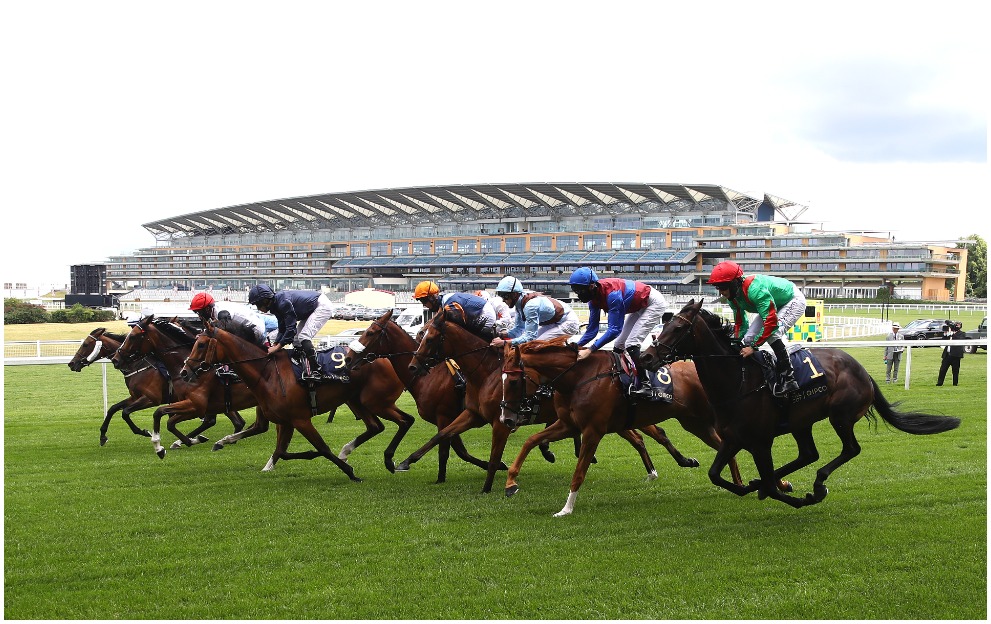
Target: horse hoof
{"type": "Point", "coordinates": [403, 467]}
{"type": "Point", "coordinates": [200, 439]}
{"type": "Point", "coordinates": [690, 462]}
{"type": "Point", "coordinates": [354, 478]}
{"type": "Point", "coordinates": [594, 460]}
{"type": "Point", "coordinates": [562, 514]}
{"type": "Point", "coordinates": [786, 486]}
{"type": "Point", "coordinates": [103, 440]}
{"type": "Point", "coordinates": [145, 433]}
{"type": "Point", "coordinates": [513, 489]}
{"type": "Point", "coordinates": [218, 446]}
{"type": "Point", "coordinates": [390, 466]}
{"type": "Point", "coordinates": [160, 453]}
{"type": "Point", "coordinates": [652, 475]}
{"type": "Point", "coordinates": [502, 466]}
{"type": "Point", "coordinates": [549, 456]}
{"type": "Point", "coordinates": [176, 445]}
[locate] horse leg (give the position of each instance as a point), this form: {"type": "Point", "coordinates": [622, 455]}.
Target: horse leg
{"type": "Point", "coordinates": [636, 441]}
{"type": "Point", "coordinates": [283, 435]}
{"type": "Point", "coordinates": [545, 450]}
{"type": "Point", "coordinates": [577, 439]}
{"type": "Point", "coordinates": [156, 436]}
{"type": "Point", "coordinates": [767, 487]}
{"type": "Point", "coordinates": [590, 441]}
{"type": "Point", "coordinates": [373, 427]}
{"type": "Point", "coordinates": [403, 421]}
{"type": "Point", "coordinates": [236, 420]}
{"type": "Point", "coordinates": [194, 436]}
{"type": "Point", "coordinates": [661, 437]}
{"type": "Point", "coordinates": [178, 412]}
{"type": "Point", "coordinates": [807, 453]}
{"type": "Point", "coordinates": [465, 421]}
{"type": "Point", "coordinates": [259, 426]}
{"type": "Point", "coordinates": [851, 448]}
{"type": "Point", "coordinates": [557, 430]}
{"type": "Point", "coordinates": [462, 451]}
{"type": "Point", "coordinates": [724, 455]}
{"type": "Point", "coordinates": [305, 426]}
{"type": "Point", "coordinates": [128, 405]}
{"type": "Point", "coordinates": [500, 433]}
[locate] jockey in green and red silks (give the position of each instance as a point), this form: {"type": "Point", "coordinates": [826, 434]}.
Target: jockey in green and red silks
{"type": "Point", "coordinates": [777, 301]}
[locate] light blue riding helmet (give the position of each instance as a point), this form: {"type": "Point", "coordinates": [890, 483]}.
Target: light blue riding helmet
{"type": "Point", "coordinates": [583, 276]}
{"type": "Point", "coordinates": [509, 284]}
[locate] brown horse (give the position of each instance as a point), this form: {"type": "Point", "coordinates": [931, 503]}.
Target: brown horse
{"type": "Point", "coordinates": [438, 401]}
{"type": "Point", "coordinates": [598, 404]}
{"type": "Point", "coordinates": [750, 418]}
{"type": "Point", "coordinates": [286, 402]}
{"type": "Point", "coordinates": [146, 387]}
{"type": "Point", "coordinates": [204, 398]}
{"type": "Point", "coordinates": [483, 368]}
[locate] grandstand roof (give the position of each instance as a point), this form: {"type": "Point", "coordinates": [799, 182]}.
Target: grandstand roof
{"type": "Point", "coordinates": [458, 203]}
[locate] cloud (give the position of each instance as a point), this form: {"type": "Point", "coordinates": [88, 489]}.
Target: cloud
{"type": "Point", "coordinates": [883, 110]}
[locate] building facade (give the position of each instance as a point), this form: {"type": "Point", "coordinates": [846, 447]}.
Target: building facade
{"type": "Point", "coordinates": [468, 237]}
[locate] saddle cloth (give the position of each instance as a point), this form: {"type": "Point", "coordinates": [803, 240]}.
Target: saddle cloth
{"type": "Point", "coordinates": [331, 364]}
{"type": "Point", "coordinates": [660, 381]}
{"type": "Point", "coordinates": [809, 374]}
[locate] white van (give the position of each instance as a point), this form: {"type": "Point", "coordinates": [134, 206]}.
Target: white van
{"type": "Point", "coordinates": [411, 318]}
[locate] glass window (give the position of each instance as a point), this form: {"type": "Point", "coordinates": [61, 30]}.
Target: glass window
{"type": "Point", "coordinates": [514, 244]}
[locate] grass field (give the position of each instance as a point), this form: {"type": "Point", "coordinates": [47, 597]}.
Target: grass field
{"type": "Point", "coordinates": [96, 532]}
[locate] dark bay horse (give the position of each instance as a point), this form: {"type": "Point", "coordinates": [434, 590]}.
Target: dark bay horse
{"type": "Point", "coordinates": [202, 398]}
{"type": "Point", "coordinates": [598, 404]}
{"type": "Point", "coordinates": [483, 369]}
{"type": "Point", "coordinates": [145, 385]}
{"type": "Point", "coordinates": [286, 402]}
{"type": "Point", "coordinates": [749, 417]}
{"type": "Point", "coordinates": [437, 399]}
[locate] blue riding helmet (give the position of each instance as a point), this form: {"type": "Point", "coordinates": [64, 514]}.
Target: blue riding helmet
{"type": "Point", "coordinates": [260, 292]}
{"type": "Point", "coordinates": [509, 284]}
{"type": "Point", "coordinates": [583, 276]}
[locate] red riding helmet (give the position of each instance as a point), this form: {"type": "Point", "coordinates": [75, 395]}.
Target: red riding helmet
{"type": "Point", "coordinates": [725, 272]}
{"type": "Point", "coordinates": [200, 301]}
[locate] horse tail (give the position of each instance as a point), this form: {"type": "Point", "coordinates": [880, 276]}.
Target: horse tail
{"type": "Point", "coordinates": [917, 423]}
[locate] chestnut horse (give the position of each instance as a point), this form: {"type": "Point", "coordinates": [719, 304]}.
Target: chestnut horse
{"type": "Point", "coordinates": [749, 417]}
{"type": "Point", "coordinates": [286, 402]}
{"type": "Point", "coordinates": [145, 385]}
{"type": "Point", "coordinates": [483, 368]}
{"type": "Point", "coordinates": [204, 398]}
{"type": "Point", "coordinates": [437, 399]}
{"type": "Point", "coordinates": [598, 404]}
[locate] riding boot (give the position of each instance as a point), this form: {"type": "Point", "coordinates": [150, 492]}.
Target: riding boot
{"type": "Point", "coordinates": [786, 373]}
{"type": "Point", "coordinates": [642, 386]}
{"type": "Point", "coordinates": [311, 358]}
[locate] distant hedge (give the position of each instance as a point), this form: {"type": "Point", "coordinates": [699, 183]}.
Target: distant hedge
{"type": "Point", "coordinates": [17, 312]}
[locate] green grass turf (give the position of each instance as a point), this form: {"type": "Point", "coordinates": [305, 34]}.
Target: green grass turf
{"type": "Point", "coordinates": [96, 532]}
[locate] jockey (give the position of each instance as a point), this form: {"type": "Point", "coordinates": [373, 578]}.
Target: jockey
{"type": "Point", "coordinates": [208, 309]}
{"type": "Point", "coordinates": [633, 309]}
{"type": "Point", "coordinates": [301, 314]}
{"type": "Point", "coordinates": [505, 315]}
{"type": "Point", "coordinates": [537, 315]}
{"type": "Point", "coordinates": [779, 303]}
{"type": "Point", "coordinates": [470, 311]}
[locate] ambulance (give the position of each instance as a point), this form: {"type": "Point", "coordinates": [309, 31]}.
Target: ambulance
{"type": "Point", "coordinates": [809, 327]}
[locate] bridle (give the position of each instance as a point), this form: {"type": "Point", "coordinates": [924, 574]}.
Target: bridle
{"type": "Point", "coordinates": [367, 358]}
{"type": "Point", "coordinates": [528, 406]}
{"type": "Point", "coordinates": [672, 349]}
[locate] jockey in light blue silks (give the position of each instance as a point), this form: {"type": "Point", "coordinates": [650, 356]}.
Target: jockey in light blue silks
{"type": "Point", "coordinates": [537, 315]}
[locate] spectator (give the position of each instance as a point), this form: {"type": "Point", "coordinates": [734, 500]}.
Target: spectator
{"type": "Point", "coordinates": [952, 355]}
{"type": "Point", "coordinates": [893, 354]}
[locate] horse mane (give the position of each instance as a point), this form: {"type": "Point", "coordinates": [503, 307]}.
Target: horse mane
{"type": "Point", "coordinates": [173, 331]}
{"type": "Point", "coordinates": [231, 326]}
{"type": "Point", "coordinates": [115, 337]}
{"type": "Point", "coordinates": [535, 346]}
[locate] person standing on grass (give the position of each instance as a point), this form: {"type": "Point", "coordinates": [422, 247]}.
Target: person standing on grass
{"type": "Point", "coordinates": [893, 354]}
{"type": "Point", "coordinates": [952, 355]}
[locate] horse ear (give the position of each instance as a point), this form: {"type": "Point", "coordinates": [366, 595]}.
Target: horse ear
{"type": "Point", "coordinates": [385, 317]}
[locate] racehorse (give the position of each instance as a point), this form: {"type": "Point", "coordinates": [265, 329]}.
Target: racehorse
{"type": "Point", "coordinates": [438, 401]}
{"type": "Point", "coordinates": [145, 385]}
{"type": "Point", "coordinates": [598, 405]}
{"type": "Point", "coordinates": [749, 417]}
{"type": "Point", "coordinates": [484, 368]}
{"type": "Point", "coordinates": [286, 402]}
{"type": "Point", "coordinates": [204, 398]}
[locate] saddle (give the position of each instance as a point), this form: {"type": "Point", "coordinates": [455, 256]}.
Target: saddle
{"type": "Point", "coordinates": [331, 364]}
{"type": "Point", "coordinates": [809, 374]}
{"type": "Point", "coordinates": [662, 388]}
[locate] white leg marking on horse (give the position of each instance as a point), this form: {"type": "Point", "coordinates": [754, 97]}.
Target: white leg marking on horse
{"type": "Point", "coordinates": [569, 506]}
{"type": "Point", "coordinates": [651, 475]}
{"type": "Point", "coordinates": [270, 466]}
{"type": "Point", "coordinates": [156, 441]}
{"type": "Point", "coordinates": [348, 448]}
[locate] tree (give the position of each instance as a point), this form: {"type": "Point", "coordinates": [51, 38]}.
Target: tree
{"type": "Point", "coordinates": [17, 312]}
{"type": "Point", "coordinates": [977, 267]}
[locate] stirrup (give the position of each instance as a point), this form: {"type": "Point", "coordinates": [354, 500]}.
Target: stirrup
{"type": "Point", "coordinates": [644, 390]}
{"type": "Point", "coordinates": [785, 388]}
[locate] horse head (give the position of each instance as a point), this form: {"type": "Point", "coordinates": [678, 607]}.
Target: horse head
{"type": "Point", "coordinates": [90, 350]}
{"type": "Point", "coordinates": [676, 341]}
{"type": "Point", "coordinates": [134, 345]}
{"type": "Point", "coordinates": [202, 356]}
{"type": "Point", "coordinates": [430, 352]}
{"type": "Point", "coordinates": [368, 344]}
{"type": "Point", "coordinates": [518, 407]}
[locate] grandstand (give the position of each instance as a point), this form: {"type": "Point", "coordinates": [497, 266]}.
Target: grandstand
{"type": "Point", "coordinates": [467, 236]}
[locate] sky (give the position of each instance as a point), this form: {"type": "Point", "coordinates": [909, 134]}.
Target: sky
{"type": "Point", "coordinates": [115, 114]}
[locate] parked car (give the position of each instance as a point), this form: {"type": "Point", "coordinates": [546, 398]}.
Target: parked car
{"type": "Point", "coordinates": [974, 334]}
{"type": "Point", "coordinates": [924, 329]}
{"type": "Point", "coordinates": [344, 337]}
